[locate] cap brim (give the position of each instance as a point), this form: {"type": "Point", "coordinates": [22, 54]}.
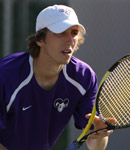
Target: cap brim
{"type": "Point", "coordinates": [60, 27]}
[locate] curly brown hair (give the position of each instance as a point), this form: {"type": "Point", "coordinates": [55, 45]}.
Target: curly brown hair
{"type": "Point", "coordinates": [34, 49]}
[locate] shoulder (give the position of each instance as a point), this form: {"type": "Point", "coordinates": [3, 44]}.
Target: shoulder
{"type": "Point", "coordinates": [13, 61]}
{"type": "Point", "coordinates": [14, 65]}
{"type": "Point", "coordinates": [13, 58]}
{"type": "Point", "coordinates": [82, 73]}
{"type": "Point", "coordinates": [80, 68]}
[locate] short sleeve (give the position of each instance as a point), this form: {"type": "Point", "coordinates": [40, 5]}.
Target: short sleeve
{"type": "Point", "coordinates": [85, 104]}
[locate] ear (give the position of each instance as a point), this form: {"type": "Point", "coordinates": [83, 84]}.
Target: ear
{"type": "Point", "coordinates": [40, 43]}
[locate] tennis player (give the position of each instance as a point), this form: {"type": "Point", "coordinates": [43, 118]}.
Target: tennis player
{"type": "Point", "coordinates": [40, 90]}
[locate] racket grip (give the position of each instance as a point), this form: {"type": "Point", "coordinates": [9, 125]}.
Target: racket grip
{"type": "Point", "coordinates": [74, 146]}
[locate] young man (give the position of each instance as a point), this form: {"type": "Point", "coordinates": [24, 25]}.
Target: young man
{"type": "Point", "coordinates": [41, 89]}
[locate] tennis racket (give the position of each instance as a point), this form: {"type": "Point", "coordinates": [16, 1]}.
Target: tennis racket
{"type": "Point", "coordinates": [112, 101]}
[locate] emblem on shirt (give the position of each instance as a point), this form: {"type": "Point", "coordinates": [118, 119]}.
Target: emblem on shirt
{"type": "Point", "coordinates": [60, 104]}
{"type": "Point", "coordinates": [25, 108]}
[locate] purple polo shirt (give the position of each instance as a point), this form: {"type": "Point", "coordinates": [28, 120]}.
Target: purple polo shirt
{"type": "Point", "coordinates": [33, 118]}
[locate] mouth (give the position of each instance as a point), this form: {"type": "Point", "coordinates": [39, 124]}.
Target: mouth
{"type": "Point", "coordinates": [67, 51]}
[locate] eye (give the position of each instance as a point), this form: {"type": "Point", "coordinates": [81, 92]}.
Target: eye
{"type": "Point", "coordinates": [75, 32]}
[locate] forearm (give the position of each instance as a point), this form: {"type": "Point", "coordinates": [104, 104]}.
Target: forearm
{"type": "Point", "coordinates": [97, 144]}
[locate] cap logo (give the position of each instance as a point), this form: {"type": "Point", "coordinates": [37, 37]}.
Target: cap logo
{"type": "Point", "coordinates": [65, 11]}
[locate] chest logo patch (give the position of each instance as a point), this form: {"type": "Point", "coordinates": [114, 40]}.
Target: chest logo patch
{"type": "Point", "coordinates": [60, 104]}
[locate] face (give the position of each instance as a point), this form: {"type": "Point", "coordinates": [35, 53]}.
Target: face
{"type": "Point", "coordinates": [58, 48]}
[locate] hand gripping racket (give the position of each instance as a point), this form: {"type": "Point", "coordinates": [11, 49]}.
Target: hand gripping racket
{"type": "Point", "coordinates": [112, 100]}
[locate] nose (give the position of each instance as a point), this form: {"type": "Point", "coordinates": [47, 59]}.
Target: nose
{"type": "Point", "coordinates": [69, 39]}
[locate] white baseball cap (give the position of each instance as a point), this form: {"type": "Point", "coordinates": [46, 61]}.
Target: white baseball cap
{"type": "Point", "coordinates": [57, 19]}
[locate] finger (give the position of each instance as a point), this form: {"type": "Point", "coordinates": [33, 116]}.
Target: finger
{"type": "Point", "coordinates": [100, 134]}
{"type": "Point", "coordinates": [111, 120]}
{"type": "Point", "coordinates": [89, 115]}
{"type": "Point", "coordinates": [95, 118]}
{"type": "Point", "coordinates": [106, 133]}
{"type": "Point", "coordinates": [98, 123]}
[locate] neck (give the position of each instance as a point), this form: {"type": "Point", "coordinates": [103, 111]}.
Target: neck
{"type": "Point", "coordinates": [46, 69]}
{"type": "Point", "coordinates": [46, 74]}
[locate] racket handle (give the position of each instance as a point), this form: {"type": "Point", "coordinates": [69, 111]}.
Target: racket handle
{"type": "Point", "coordinates": [74, 146]}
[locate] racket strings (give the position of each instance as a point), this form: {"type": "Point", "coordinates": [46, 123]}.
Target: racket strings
{"type": "Point", "coordinates": [114, 114]}
{"type": "Point", "coordinates": [125, 84]}
{"type": "Point", "coordinates": [110, 113]}
{"type": "Point", "coordinates": [115, 111]}
{"type": "Point", "coordinates": [124, 89]}
{"type": "Point", "coordinates": [119, 110]}
{"type": "Point", "coordinates": [114, 99]}
{"type": "Point", "coordinates": [117, 103]}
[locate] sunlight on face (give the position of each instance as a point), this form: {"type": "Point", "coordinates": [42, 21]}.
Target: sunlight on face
{"type": "Point", "coordinates": [60, 47]}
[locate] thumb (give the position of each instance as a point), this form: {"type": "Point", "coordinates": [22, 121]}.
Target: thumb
{"type": "Point", "coordinates": [88, 115]}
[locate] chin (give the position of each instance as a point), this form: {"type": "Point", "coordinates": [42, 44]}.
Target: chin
{"type": "Point", "coordinates": [67, 61]}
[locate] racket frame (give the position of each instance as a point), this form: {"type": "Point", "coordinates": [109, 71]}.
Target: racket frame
{"type": "Point", "coordinates": [83, 136]}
